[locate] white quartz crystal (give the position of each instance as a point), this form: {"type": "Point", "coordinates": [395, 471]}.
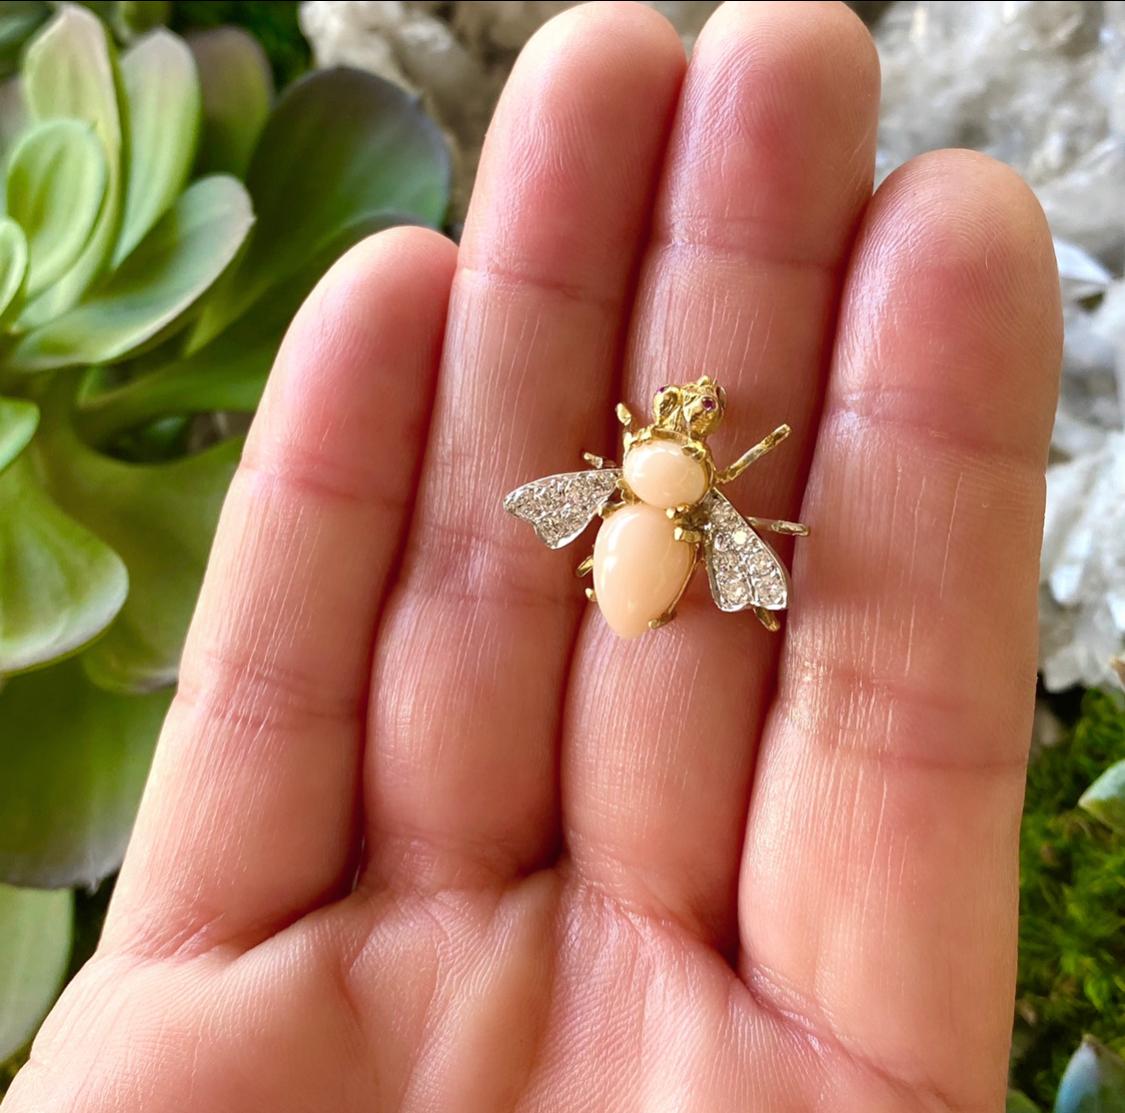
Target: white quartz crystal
{"type": "Point", "coordinates": [456, 55]}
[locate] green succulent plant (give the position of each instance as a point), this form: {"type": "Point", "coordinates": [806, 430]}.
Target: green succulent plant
{"type": "Point", "coordinates": [163, 216]}
{"type": "Point", "coordinates": [126, 19]}
{"type": "Point", "coordinates": [1094, 1081]}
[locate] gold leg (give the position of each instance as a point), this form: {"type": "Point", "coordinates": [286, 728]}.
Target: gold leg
{"type": "Point", "coordinates": [590, 595]}
{"type": "Point", "coordinates": [766, 444]}
{"type": "Point", "coordinates": [663, 620]}
{"type": "Point", "coordinates": [586, 566]}
{"type": "Point", "coordinates": [768, 619]}
{"type": "Point", "coordinates": [777, 525]}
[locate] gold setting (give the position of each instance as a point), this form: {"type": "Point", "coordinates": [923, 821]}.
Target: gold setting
{"type": "Point", "coordinates": [744, 572]}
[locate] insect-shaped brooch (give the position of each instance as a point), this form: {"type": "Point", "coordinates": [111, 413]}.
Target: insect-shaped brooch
{"type": "Point", "coordinates": [661, 510]}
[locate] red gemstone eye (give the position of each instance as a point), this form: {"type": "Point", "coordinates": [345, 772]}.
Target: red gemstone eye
{"type": "Point", "coordinates": [708, 403]}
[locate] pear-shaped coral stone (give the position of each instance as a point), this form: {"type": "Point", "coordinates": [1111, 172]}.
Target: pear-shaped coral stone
{"type": "Point", "coordinates": [662, 474]}
{"type": "Point", "coordinates": [639, 568]}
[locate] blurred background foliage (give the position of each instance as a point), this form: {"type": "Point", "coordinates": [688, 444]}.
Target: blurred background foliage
{"type": "Point", "coordinates": [1071, 978]}
{"type": "Point", "coordinates": [152, 252]}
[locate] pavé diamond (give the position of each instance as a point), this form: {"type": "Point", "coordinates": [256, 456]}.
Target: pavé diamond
{"type": "Point", "coordinates": [560, 507]}
{"type": "Point", "coordinates": [744, 571]}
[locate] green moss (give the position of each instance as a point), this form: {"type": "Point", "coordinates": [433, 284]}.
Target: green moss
{"type": "Point", "coordinates": [1072, 906]}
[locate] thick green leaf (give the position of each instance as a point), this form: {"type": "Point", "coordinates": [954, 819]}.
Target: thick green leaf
{"type": "Point", "coordinates": [229, 372]}
{"type": "Point", "coordinates": [237, 91]}
{"type": "Point", "coordinates": [35, 938]}
{"type": "Point", "coordinates": [160, 518]}
{"type": "Point", "coordinates": [70, 71]}
{"type": "Point", "coordinates": [13, 266]}
{"type": "Point", "coordinates": [1020, 1103]}
{"type": "Point", "coordinates": [60, 586]}
{"type": "Point", "coordinates": [55, 187]}
{"type": "Point", "coordinates": [162, 105]}
{"type": "Point", "coordinates": [1105, 798]}
{"type": "Point", "coordinates": [18, 419]}
{"type": "Point", "coordinates": [341, 146]}
{"type": "Point", "coordinates": [175, 264]}
{"type": "Point", "coordinates": [18, 20]}
{"type": "Point", "coordinates": [1093, 1082]}
{"type": "Point", "coordinates": [13, 113]}
{"type": "Point", "coordinates": [75, 759]}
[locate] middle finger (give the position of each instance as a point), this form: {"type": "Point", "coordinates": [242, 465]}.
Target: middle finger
{"type": "Point", "coordinates": [769, 167]}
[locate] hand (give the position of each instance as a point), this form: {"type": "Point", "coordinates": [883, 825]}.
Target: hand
{"type": "Point", "coordinates": [421, 834]}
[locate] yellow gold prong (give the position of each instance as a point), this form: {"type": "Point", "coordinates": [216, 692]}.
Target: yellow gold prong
{"type": "Point", "coordinates": [690, 536]}
{"type": "Point", "coordinates": [675, 512]}
{"type": "Point", "coordinates": [590, 595]}
{"type": "Point", "coordinates": [768, 619]}
{"type": "Point", "coordinates": [663, 620]}
{"type": "Point", "coordinates": [586, 566]}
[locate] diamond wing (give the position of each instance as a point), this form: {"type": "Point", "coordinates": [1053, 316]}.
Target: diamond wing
{"type": "Point", "coordinates": [744, 571]}
{"type": "Point", "coordinates": [560, 507]}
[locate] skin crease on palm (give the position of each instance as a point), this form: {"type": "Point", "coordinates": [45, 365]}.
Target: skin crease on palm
{"type": "Point", "coordinates": [709, 870]}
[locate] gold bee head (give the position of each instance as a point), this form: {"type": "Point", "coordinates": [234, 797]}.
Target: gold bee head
{"type": "Point", "coordinates": [692, 408]}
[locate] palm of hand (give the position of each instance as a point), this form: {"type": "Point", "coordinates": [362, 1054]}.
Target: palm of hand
{"type": "Point", "coordinates": [706, 870]}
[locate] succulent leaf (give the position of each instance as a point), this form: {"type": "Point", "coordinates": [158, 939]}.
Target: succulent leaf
{"type": "Point", "coordinates": [160, 518]}
{"type": "Point", "coordinates": [229, 372]}
{"type": "Point", "coordinates": [340, 146]}
{"type": "Point", "coordinates": [173, 267]}
{"type": "Point", "coordinates": [13, 113]}
{"type": "Point", "coordinates": [35, 941]}
{"type": "Point", "coordinates": [75, 759]}
{"type": "Point", "coordinates": [18, 419]}
{"type": "Point", "coordinates": [162, 114]}
{"type": "Point", "coordinates": [62, 585]}
{"type": "Point", "coordinates": [237, 92]}
{"type": "Point", "coordinates": [13, 267]}
{"type": "Point", "coordinates": [1019, 1102]}
{"type": "Point", "coordinates": [18, 21]}
{"type": "Point", "coordinates": [1105, 798]}
{"type": "Point", "coordinates": [70, 70]}
{"type": "Point", "coordinates": [1093, 1082]}
{"type": "Point", "coordinates": [55, 187]}
{"type": "Point", "coordinates": [130, 18]}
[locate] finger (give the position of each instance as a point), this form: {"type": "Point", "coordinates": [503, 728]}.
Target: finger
{"type": "Point", "coordinates": [461, 771]}
{"type": "Point", "coordinates": [249, 816]}
{"type": "Point", "coordinates": [879, 884]}
{"type": "Point", "coordinates": [768, 170]}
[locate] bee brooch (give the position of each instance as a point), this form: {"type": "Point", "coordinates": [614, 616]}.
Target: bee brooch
{"type": "Point", "coordinates": [662, 510]}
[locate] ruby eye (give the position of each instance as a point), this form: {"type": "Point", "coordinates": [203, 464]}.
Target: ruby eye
{"type": "Point", "coordinates": [708, 403]}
